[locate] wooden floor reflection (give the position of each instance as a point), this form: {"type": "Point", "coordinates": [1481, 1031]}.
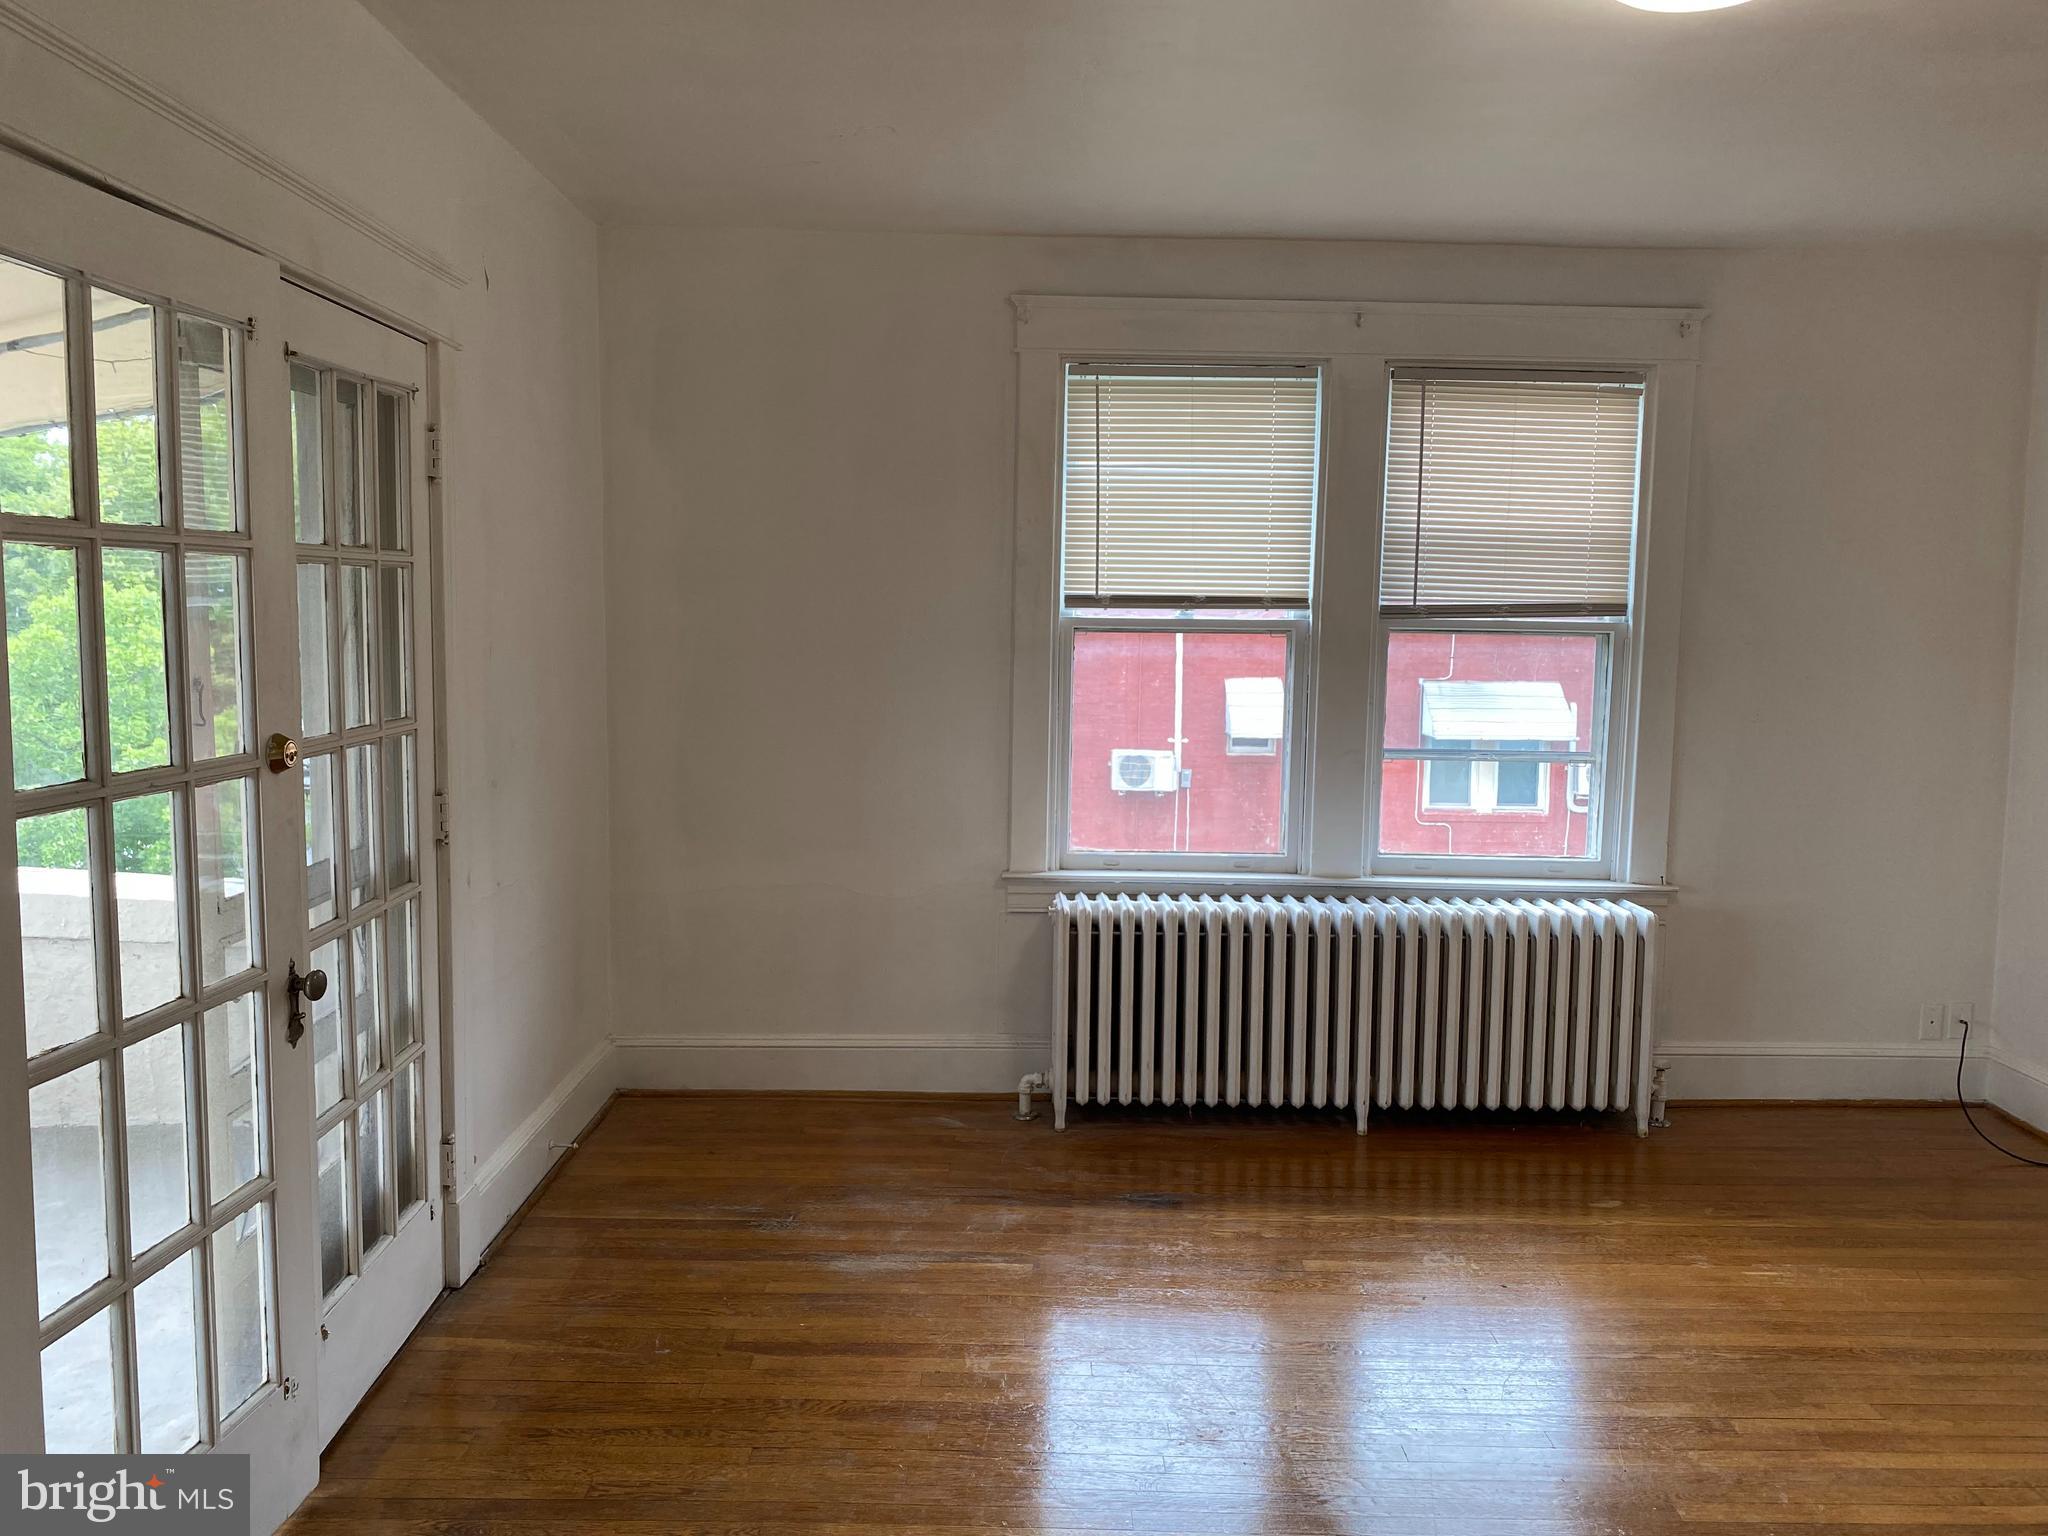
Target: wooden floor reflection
{"type": "Point", "coordinates": [772, 1315]}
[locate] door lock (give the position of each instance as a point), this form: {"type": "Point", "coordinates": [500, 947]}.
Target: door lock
{"type": "Point", "coordinates": [311, 985]}
{"type": "Point", "coordinates": [284, 753]}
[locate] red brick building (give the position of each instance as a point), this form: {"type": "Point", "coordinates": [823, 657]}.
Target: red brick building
{"type": "Point", "coordinates": [1179, 743]}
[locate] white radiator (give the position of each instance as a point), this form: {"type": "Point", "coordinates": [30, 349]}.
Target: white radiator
{"type": "Point", "coordinates": [1347, 1003]}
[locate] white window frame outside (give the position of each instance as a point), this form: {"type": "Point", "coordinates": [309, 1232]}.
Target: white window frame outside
{"type": "Point", "coordinates": [1339, 664]}
{"type": "Point", "coordinates": [1483, 794]}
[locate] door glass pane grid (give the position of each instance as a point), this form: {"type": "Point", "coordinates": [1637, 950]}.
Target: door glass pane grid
{"type": "Point", "coordinates": [356, 561]}
{"type": "Point", "coordinates": [173, 1139]}
{"type": "Point", "coordinates": [140, 472]}
{"type": "Point", "coordinates": [371, 1175]}
{"type": "Point", "coordinates": [361, 544]}
{"type": "Point", "coordinates": [40, 471]}
{"type": "Point", "coordinates": [359, 1160]}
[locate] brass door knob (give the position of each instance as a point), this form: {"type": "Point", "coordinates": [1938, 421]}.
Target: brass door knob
{"type": "Point", "coordinates": [284, 753]}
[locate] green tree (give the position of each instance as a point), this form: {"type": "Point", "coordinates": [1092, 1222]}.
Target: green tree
{"type": "Point", "coordinates": [43, 652]}
{"type": "Point", "coordinates": [35, 473]}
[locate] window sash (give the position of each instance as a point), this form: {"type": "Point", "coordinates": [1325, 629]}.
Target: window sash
{"type": "Point", "coordinates": [1189, 486]}
{"type": "Point", "coordinates": [1608, 755]}
{"type": "Point", "coordinates": [1292, 748]}
{"type": "Point", "coordinates": [1511, 492]}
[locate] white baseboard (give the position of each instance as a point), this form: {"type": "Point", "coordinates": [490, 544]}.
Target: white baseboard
{"type": "Point", "coordinates": [2017, 1086]}
{"type": "Point", "coordinates": [1699, 1069]}
{"type": "Point", "coordinates": [511, 1173]}
{"type": "Point", "coordinates": [1813, 1069]}
{"type": "Point", "coordinates": [831, 1063]}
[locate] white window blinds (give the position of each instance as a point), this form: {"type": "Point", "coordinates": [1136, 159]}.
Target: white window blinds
{"type": "Point", "coordinates": [1510, 495]}
{"type": "Point", "coordinates": [1190, 488]}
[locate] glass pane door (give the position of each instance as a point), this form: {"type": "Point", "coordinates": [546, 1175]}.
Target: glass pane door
{"type": "Point", "coordinates": [157, 1287]}
{"type": "Point", "coordinates": [127, 546]}
{"type": "Point", "coordinates": [361, 587]}
{"type": "Point", "coordinates": [360, 772]}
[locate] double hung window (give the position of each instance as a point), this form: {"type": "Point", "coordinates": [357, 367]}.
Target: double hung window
{"type": "Point", "coordinates": [1187, 579]}
{"type": "Point", "coordinates": [1335, 592]}
{"type": "Point", "coordinates": [1507, 538]}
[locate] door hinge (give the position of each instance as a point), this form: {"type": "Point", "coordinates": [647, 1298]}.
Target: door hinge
{"type": "Point", "coordinates": [434, 451]}
{"type": "Point", "coordinates": [447, 1165]}
{"type": "Point", "coordinates": [441, 829]}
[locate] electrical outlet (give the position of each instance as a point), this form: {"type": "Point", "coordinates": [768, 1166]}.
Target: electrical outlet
{"type": "Point", "coordinates": [1933, 1021]}
{"type": "Point", "coordinates": [1960, 1014]}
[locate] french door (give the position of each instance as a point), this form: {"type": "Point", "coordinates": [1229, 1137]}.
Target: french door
{"type": "Point", "coordinates": [159, 1277]}
{"type": "Point", "coordinates": [366, 765]}
{"type": "Point", "coordinates": [218, 1219]}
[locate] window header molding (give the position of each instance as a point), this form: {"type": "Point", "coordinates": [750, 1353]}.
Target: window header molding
{"type": "Point", "coordinates": [1130, 329]}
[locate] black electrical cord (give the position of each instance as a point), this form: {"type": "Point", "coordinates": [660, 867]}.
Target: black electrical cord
{"type": "Point", "coordinates": [1964, 1105]}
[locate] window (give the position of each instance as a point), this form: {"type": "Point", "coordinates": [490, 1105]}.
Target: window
{"type": "Point", "coordinates": [1254, 715]}
{"type": "Point", "coordinates": [1187, 561]}
{"type": "Point", "coordinates": [1484, 785]}
{"type": "Point", "coordinates": [1507, 544]}
{"type": "Point", "coordinates": [1459, 664]}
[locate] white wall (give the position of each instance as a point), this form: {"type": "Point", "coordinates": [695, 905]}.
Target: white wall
{"type": "Point", "coordinates": [809, 462]}
{"type": "Point", "coordinates": [305, 130]}
{"type": "Point", "coordinates": [2019, 1015]}
{"type": "Point", "coordinates": [1846, 661]}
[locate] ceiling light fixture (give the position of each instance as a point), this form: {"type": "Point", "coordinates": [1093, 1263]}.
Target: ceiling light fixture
{"type": "Point", "coordinates": [1683, 5]}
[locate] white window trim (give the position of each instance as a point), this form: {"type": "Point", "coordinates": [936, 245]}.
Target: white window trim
{"type": "Point", "coordinates": [1336, 683]}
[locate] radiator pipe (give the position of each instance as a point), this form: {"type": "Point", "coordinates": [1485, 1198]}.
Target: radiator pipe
{"type": "Point", "coordinates": [1030, 1083]}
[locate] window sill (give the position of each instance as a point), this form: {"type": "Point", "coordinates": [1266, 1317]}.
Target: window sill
{"type": "Point", "coordinates": [1033, 892]}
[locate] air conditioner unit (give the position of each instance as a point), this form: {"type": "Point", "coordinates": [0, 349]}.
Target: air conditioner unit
{"type": "Point", "coordinates": [1134, 771]}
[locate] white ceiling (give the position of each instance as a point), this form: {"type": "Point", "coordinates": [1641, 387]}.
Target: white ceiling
{"type": "Point", "coordinates": [1579, 121]}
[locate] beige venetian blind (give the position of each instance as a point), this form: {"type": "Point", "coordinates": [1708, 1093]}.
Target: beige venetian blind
{"type": "Point", "coordinates": [1510, 495]}
{"type": "Point", "coordinates": [1190, 487]}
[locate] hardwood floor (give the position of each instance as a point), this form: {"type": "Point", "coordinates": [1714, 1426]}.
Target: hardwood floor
{"type": "Point", "coordinates": [766, 1315]}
